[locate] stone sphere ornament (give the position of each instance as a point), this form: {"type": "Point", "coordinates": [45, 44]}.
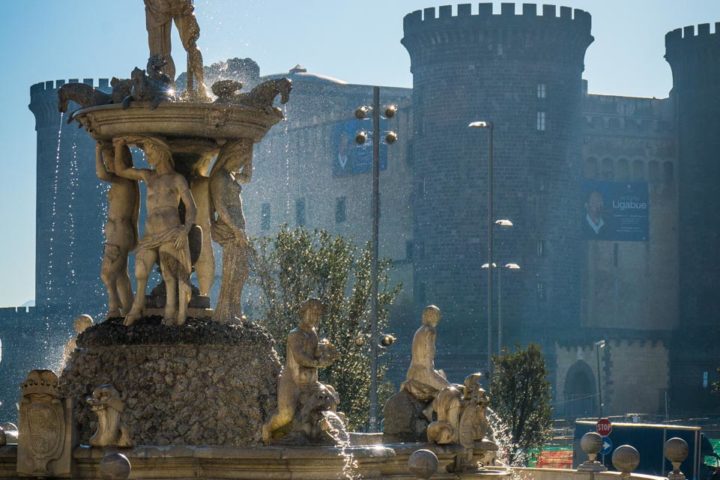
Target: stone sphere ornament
{"type": "Point", "coordinates": [676, 450]}
{"type": "Point", "coordinates": [423, 463]}
{"type": "Point", "coordinates": [115, 466]}
{"type": "Point", "coordinates": [591, 443]}
{"type": "Point", "coordinates": [626, 458]}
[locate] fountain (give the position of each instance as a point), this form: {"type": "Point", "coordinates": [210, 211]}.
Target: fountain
{"type": "Point", "coordinates": [167, 387]}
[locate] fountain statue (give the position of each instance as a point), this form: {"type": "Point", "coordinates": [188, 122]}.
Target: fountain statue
{"type": "Point", "coordinates": [301, 397]}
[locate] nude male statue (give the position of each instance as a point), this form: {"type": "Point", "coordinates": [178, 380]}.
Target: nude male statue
{"type": "Point", "coordinates": [232, 168]}
{"type": "Point", "coordinates": [422, 380]}
{"type": "Point", "coordinates": [304, 356]}
{"type": "Point", "coordinates": [165, 237]}
{"type": "Point", "coordinates": [159, 16]}
{"type": "Point", "coordinates": [121, 229]}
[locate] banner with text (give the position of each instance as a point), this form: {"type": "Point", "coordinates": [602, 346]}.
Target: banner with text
{"type": "Point", "coordinates": [349, 158]}
{"type": "Point", "coordinates": [617, 211]}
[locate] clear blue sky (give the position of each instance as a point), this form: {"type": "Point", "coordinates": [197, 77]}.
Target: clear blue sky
{"type": "Point", "coordinates": [355, 40]}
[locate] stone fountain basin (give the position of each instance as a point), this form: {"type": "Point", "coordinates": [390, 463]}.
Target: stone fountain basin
{"type": "Point", "coordinates": [188, 127]}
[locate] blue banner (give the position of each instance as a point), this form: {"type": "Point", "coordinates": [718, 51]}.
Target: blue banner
{"type": "Point", "coordinates": [615, 211]}
{"type": "Point", "coordinates": [349, 158]}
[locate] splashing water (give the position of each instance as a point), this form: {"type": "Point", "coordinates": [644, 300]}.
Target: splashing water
{"type": "Point", "coordinates": [286, 136]}
{"type": "Point", "coordinates": [335, 428]}
{"type": "Point", "coordinates": [503, 439]}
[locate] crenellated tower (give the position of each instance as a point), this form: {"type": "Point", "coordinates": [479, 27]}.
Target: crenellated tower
{"type": "Point", "coordinates": [522, 72]}
{"type": "Point", "coordinates": [70, 205]}
{"type": "Point", "coordinates": [694, 57]}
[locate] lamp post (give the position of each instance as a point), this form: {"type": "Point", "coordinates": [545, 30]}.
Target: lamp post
{"type": "Point", "coordinates": [507, 266]}
{"type": "Point", "coordinates": [361, 113]}
{"type": "Point", "coordinates": [489, 127]}
{"type": "Point", "coordinates": [598, 346]}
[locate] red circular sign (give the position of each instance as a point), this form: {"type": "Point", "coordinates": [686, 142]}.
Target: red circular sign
{"type": "Point", "coordinates": [603, 427]}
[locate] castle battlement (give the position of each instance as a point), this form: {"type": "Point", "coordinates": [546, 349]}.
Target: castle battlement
{"type": "Point", "coordinates": [53, 85]}
{"type": "Point", "coordinates": [438, 35]}
{"type": "Point", "coordinates": [692, 34]}
{"type": "Point", "coordinates": [444, 15]}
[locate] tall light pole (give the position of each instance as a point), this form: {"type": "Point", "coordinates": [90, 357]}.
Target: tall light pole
{"type": "Point", "coordinates": [500, 268]}
{"type": "Point", "coordinates": [360, 138]}
{"type": "Point", "coordinates": [489, 126]}
{"type": "Point", "coordinates": [598, 346]}
{"type": "Point", "coordinates": [507, 266]}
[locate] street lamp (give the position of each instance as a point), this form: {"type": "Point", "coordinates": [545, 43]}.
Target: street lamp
{"type": "Point", "coordinates": [362, 113]}
{"type": "Point", "coordinates": [598, 345]}
{"type": "Point", "coordinates": [507, 266]}
{"type": "Point", "coordinates": [489, 127]}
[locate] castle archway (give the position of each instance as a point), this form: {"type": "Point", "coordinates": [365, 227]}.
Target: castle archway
{"type": "Point", "coordinates": [580, 392]}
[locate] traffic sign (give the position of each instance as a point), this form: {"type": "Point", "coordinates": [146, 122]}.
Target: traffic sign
{"type": "Point", "coordinates": [603, 427]}
{"type": "Point", "coordinates": [607, 446]}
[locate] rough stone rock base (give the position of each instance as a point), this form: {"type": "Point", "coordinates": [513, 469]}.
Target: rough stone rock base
{"type": "Point", "coordinates": [200, 384]}
{"type": "Point", "coordinates": [404, 419]}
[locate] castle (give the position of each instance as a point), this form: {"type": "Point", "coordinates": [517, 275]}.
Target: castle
{"type": "Point", "coordinates": [628, 317]}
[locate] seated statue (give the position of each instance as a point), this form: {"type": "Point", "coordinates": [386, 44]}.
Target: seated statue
{"type": "Point", "coordinates": [298, 386]}
{"type": "Point", "coordinates": [422, 380]}
{"type": "Point", "coordinates": [408, 412]}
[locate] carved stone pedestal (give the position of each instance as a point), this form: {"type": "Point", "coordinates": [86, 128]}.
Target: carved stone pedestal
{"type": "Point", "coordinates": [200, 384]}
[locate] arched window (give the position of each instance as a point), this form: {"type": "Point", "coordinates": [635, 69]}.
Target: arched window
{"type": "Point", "coordinates": [622, 169]}
{"type": "Point", "coordinates": [638, 170]}
{"type": "Point", "coordinates": [591, 168]}
{"type": "Point", "coordinates": [654, 175]}
{"type": "Point", "coordinates": [608, 169]}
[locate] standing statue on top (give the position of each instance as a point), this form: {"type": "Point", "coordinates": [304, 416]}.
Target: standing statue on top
{"type": "Point", "coordinates": [121, 228]}
{"type": "Point", "coordinates": [233, 167]}
{"type": "Point", "coordinates": [165, 237]}
{"type": "Point", "coordinates": [159, 17]}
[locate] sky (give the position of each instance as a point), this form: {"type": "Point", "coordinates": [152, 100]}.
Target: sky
{"type": "Point", "coordinates": [353, 40]}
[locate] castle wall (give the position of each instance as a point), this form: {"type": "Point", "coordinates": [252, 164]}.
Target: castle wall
{"type": "Point", "coordinates": [633, 285]}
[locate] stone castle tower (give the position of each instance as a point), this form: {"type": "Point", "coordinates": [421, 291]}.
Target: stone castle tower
{"type": "Point", "coordinates": [694, 57]}
{"type": "Point", "coordinates": [69, 237]}
{"type": "Point", "coordinates": [522, 72]}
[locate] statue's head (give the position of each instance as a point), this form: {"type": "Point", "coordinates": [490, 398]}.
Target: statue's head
{"type": "Point", "coordinates": [82, 323]}
{"type": "Point", "coordinates": [104, 397]}
{"type": "Point", "coordinates": [311, 311]}
{"type": "Point", "coordinates": [156, 150]}
{"type": "Point", "coordinates": [431, 316]}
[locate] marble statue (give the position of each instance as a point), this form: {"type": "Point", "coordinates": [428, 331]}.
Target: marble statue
{"type": "Point", "coordinates": [165, 237]}
{"type": "Point", "coordinates": [121, 226]}
{"type": "Point", "coordinates": [232, 168]}
{"type": "Point", "coordinates": [152, 85]}
{"type": "Point", "coordinates": [46, 435]}
{"type": "Point", "coordinates": [87, 96]}
{"type": "Point", "coordinates": [261, 97]}
{"type": "Point", "coordinates": [462, 419]}
{"type": "Point", "coordinates": [159, 17]}
{"type": "Point", "coordinates": [422, 380]}
{"type": "Point", "coordinates": [298, 381]}
{"type": "Point", "coordinates": [80, 324]}
{"type": "Point", "coordinates": [409, 412]}
{"type": "Point", "coordinates": [205, 263]}
{"type": "Point", "coordinates": [105, 402]}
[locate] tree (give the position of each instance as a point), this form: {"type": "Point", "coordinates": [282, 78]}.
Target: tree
{"type": "Point", "coordinates": [520, 397]}
{"type": "Point", "coordinates": [296, 264]}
